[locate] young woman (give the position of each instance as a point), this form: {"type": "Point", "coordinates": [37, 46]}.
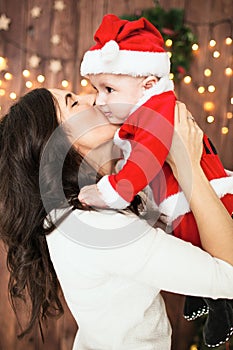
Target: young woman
{"type": "Point", "coordinates": [110, 265]}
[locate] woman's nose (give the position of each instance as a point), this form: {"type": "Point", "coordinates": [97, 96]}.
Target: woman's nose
{"type": "Point", "coordinates": [86, 99]}
{"type": "Point", "coordinates": [100, 100]}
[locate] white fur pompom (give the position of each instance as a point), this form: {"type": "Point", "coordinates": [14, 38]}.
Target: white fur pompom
{"type": "Point", "coordinates": [110, 51]}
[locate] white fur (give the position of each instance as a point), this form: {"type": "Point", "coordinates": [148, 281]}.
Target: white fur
{"type": "Point", "coordinates": [110, 196]}
{"type": "Point", "coordinates": [177, 204]}
{"type": "Point", "coordinates": [134, 63]}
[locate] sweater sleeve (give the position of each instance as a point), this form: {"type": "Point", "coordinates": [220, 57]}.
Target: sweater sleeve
{"type": "Point", "coordinates": [167, 263]}
{"type": "Point", "coordinates": [149, 131]}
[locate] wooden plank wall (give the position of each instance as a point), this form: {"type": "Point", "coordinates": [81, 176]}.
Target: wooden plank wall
{"type": "Point", "coordinates": [75, 25]}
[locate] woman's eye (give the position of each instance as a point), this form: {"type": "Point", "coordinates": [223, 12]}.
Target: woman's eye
{"type": "Point", "coordinates": [74, 104]}
{"type": "Point", "coordinates": [109, 89]}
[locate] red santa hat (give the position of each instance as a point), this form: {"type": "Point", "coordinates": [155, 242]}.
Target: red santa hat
{"type": "Point", "coordinates": [133, 48]}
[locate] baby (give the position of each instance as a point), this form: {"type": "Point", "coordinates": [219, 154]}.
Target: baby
{"type": "Point", "coordinates": [130, 71]}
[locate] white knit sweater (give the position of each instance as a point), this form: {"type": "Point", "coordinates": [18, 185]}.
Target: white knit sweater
{"type": "Point", "coordinates": [114, 293]}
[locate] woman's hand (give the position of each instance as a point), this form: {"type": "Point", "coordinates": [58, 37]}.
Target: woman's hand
{"type": "Point", "coordinates": [186, 149]}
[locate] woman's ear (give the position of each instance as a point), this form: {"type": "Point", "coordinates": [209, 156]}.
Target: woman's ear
{"type": "Point", "coordinates": [150, 81]}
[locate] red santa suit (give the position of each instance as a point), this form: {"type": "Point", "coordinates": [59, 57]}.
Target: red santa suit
{"type": "Point", "coordinates": [145, 139]}
{"type": "Point", "coordinates": [136, 49]}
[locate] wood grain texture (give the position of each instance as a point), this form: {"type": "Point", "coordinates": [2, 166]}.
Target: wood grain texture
{"type": "Point", "coordinates": [75, 25]}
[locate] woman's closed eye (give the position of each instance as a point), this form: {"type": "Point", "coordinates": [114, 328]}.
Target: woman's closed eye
{"type": "Point", "coordinates": [74, 104]}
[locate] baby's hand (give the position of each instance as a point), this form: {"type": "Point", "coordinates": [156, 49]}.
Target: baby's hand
{"type": "Point", "coordinates": [90, 195]}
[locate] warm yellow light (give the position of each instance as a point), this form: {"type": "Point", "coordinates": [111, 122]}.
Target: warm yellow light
{"type": "Point", "coordinates": [210, 119]}
{"type": "Point", "coordinates": [169, 54]}
{"type": "Point", "coordinates": [0, 82]}
{"type": "Point", "coordinates": [2, 92]}
{"type": "Point", "coordinates": [187, 79]}
{"type": "Point", "coordinates": [171, 76]}
{"type": "Point", "coordinates": [212, 43]}
{"type": "Point", "coordinates": [228, 41]}
{"type": "Point", "coordinates": [28, 84]}
{"type": "Point", "coordinates": [3, 63]}
{"type": "Point", "coordinates": [231, 100]}
{"type": "Point", "coordinates": [168, 42]}
{"type": "Point", "coordinates": [211, 88]}
{"type": "Point", "coordinates": [201, 89]}
{"type": "Point", "coordinates": [229, 115]}
{"type": "Point", "coordinates": [40, 78]}
{"type": "Point", "coordinates": [195, 47]}
{"type": "Point", "coordinates": [207, 72]}
{"type": "Point", "coordinates": [225, 130]}
{"type": "Point", "coordinates": [216, 54]}
{"type": "Point", "coordinates": [65, 83]}
{"type": "Point", "coordinates": [26, 73]}
{"type": "Point", "coordinates": [193, 347]}
{"type": "Point", "coordinates": [0, 108]}
{"type": "Point", "coordinates": [8, 76]}
{"type": "Point", "coordinates": [208, 106]}
{"type": "Point", "coordinates": [13, 95]}
{"type": "Point", "coordinates": [84, 82]}
{"type": "Point", "coordinates": [228, 71]}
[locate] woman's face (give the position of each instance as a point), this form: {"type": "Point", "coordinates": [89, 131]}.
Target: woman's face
{"type": "Point", "coordinates": [88, 126]}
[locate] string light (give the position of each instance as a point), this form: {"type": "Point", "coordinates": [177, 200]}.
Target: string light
{"type": "Point", "coordinates": [231, 100]}
{"type": "Point", "coordinates": [2, 92]}
{"type": "Point", "coordinates": [228, 41]}
{"type": "Point", "coordinates": [40, 78]}
{"type": "Point", "coordinates": [0, 82]}
{"type": "Point", "coordinates": [193, 347]}
{"type": "Point", "coordinates": [195, 47]}
{"type": "Point", "coordinates": [168, 42]}
{"type": "Point", "coordinates": [84, 82]}
{"type": "Point", "coordinates": [26, 73]}
{"type": "Point", "coordinates": [210, 119]}
{"type": "Point", "coordinates": [169, 54]}
{"type": "Point", "coordinates": [8, 76]}
{"type": "Point", "coordinates": [13, 96]}
{"type": "Point", "coordinates": [211, 88]}
{"type": "Point", "coordinates": [201, 89]}
{"type": "Point", "coordinates": [225, 130]}
{"type": "Point", "coordinates": [216, 54]}
{"type": "Point", "coordinates": [207, 72]}
{"type": "Point", "coordinates": [212, 43]}
{"type": "Point", "coordinates": [171, 76]}
{"type": "Point", "coordinates": [29, 84]}
{"type": "Point", "coordinates": [65, 83]}
{"type": "Point", "coordinates": [228, 71]}
{"type": "Point", "coordinates": [229, 115]}
{"type": "Point", "coordinates": [208, 106]}
{"type": "Point", "coordinates": [3, 63]}
{"type": "Point", "coordinates": [187, 79]}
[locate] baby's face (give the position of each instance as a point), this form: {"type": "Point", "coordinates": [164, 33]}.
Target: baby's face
{"type": "Point", "coordinates": [116, 94]}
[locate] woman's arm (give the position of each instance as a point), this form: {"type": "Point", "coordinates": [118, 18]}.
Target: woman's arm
{"type": "Point", "coordinates": [214, 222]}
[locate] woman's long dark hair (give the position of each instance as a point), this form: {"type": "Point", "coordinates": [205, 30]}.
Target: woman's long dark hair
{"type": "Point", "coordinates": [24, 135]}
{"type": "Point", "coordinates": [24, 132]}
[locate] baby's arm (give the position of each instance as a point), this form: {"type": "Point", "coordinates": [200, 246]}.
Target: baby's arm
{"type": "Point", "coordinates": [147, 135]}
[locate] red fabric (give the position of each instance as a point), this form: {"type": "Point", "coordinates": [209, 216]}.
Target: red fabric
{"type": "Point", "coordinates": [165, 185]}
{"type": "Point", "coordinates": [139, 35]}
{"type": "Point", "coordinates": [149, 130]}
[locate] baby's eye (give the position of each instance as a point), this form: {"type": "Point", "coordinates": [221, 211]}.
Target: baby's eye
{"type": "Point", "coordinates": [109, 89]}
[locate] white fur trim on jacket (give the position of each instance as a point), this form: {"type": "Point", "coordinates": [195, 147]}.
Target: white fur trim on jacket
{"type": "Point", "coordinates": [134, 63]}
{"type": "Point", "coordinates": [126, 148]}
{"type": "Point", "coordinates": [110, 196]}
{"type": "Point", "coordinates": [177, 204]}
{"type": "Point", "coordinates": [164, 84]}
